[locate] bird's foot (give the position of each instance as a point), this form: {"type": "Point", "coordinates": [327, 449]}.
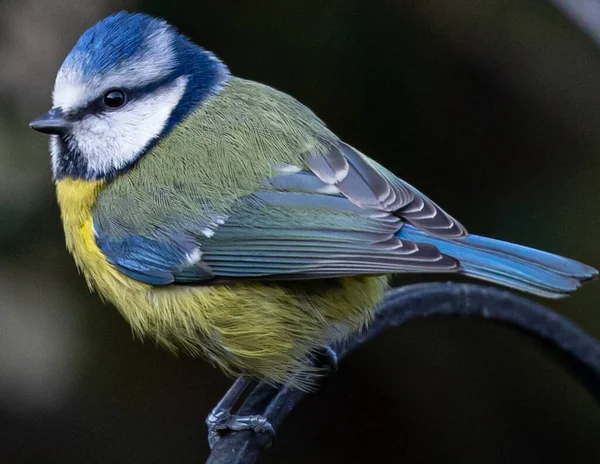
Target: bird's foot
{"type": "Point", "coordinates": [221, 419]}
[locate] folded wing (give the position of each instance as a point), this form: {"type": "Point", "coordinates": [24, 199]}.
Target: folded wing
{"type": "Point", "coordinates": [369, 185]}
{"type": "Point", "coordinates": [338, 215]}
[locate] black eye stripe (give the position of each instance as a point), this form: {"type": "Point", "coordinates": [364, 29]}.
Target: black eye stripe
{"type": "Point", "coordinates": [97, 106]}
{"type": "Point", "coordinates": [132, 94]}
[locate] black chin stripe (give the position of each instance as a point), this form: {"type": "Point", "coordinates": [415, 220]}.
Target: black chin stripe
{"type": "Point", "coordinates": [70, 162]}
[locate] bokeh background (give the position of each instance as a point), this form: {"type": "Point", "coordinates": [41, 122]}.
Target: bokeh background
{"type": "Point", "coordinates": [491, 107]}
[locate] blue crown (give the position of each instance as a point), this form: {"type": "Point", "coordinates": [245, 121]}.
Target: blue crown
{"type": "Point", "coordinates": [113, 40]}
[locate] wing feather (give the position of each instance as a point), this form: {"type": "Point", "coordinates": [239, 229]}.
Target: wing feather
{"type": "Point", "coordinates": [337, 216]}
{"type": "Point", "coordinates": [369, 185]}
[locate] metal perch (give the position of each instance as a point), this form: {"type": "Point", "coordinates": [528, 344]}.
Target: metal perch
{"type": "Point", "coordinates": [420, 301]}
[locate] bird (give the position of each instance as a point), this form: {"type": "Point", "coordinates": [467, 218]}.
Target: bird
{"type": "Point", "coordinates": [225, 220]}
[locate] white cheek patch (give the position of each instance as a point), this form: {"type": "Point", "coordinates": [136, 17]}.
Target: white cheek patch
{"type": "Point", "coordinates": [113, 139]}
{"type": "Point", "coordinates": [154, 62]}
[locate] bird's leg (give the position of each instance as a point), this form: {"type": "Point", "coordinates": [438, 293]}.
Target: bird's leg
{"type": "Point", "coordinates": [221, 418]}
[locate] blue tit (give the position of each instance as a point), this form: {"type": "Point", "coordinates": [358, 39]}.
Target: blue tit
{"type": "Point", "coordinates": [224, 219]}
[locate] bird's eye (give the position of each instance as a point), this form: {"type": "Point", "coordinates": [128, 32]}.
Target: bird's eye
{"type": "Point", "coordinates": [114, 98]}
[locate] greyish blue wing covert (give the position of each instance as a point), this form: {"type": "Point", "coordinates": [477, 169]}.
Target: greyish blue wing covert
{"type": "Point", "coordinates": [338, 216]}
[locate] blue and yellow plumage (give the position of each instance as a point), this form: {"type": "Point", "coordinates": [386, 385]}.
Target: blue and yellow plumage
{"type": "Point", "coordinates": [224, 219]}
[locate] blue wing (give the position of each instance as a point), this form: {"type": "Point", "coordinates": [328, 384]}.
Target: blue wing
{"type": "Point", "coordinates": [336, 216]}
{"type": "Point", "coordinates": [301, 235]}
{"type": "Point", "coordinates": [341, 214]}
{"type": "Point", "coordinates": [158, 260]}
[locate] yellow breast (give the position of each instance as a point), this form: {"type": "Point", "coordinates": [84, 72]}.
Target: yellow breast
{"type": "Point", "coordinates": [264, 330]}
{"type": "Point", "coordinates": [155, 310]}
{"type": "Point", "coordinates": [76, 199]}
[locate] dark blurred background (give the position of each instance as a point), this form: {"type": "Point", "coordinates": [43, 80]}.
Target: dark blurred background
{"type": "Point", "coordinates": [491, 107]}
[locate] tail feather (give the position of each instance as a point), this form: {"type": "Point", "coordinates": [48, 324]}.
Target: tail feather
{"type": "Point", "coordinates": [508, 264]}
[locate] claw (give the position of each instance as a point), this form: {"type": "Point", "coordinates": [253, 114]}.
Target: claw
{"type": "Point", "coordinates": [216, 421]}
{"type": "Point", "coordinates": [219, 421]}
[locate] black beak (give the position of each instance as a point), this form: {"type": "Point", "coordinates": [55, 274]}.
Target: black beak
{"type": "Point", "coordinates": [53, 122]}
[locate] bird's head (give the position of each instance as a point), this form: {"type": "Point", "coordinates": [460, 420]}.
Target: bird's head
{"type": "Point", "coordinates": [129, 79]}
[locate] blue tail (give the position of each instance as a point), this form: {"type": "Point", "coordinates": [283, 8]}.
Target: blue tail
{"type": "Point", "coordinates": [504, 263]}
